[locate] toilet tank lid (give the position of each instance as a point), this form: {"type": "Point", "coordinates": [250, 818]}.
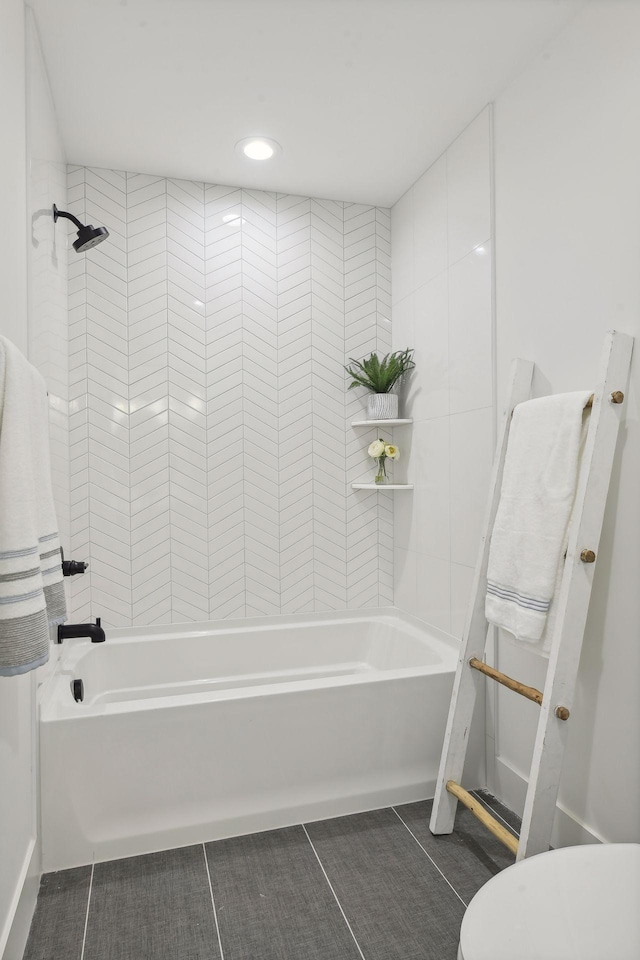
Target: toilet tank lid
{"type": "Point", "coordinates": [574, 903]}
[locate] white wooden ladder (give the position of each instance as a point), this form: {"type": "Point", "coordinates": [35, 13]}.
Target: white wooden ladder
{"type": "Point", "coordinates": [607, 406]}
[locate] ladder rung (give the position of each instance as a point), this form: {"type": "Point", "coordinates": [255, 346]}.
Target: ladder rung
{"type": "Point", "coordinates": [485, 818]}
{"type": "Point", "coordinates": [531, 693]}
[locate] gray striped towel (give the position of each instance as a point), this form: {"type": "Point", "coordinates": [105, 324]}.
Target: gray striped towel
{"type": "Point", "coordinates": [31, 587]}
{"type": "Point", "coordinates": [529, 533]}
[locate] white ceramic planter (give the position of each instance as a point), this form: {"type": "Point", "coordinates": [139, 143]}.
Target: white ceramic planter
{"type": "Point", "coordinates": [382, 406]}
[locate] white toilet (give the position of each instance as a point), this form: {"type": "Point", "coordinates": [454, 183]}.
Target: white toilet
{"type": "Point", "coordinates": [574, 903]}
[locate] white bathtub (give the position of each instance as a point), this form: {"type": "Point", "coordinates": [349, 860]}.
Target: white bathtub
{"type": "Point", "coordinates": [204, 731]}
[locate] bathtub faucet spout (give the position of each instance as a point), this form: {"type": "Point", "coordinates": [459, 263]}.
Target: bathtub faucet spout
{"type": "Point", "coordinates": [68, 630]}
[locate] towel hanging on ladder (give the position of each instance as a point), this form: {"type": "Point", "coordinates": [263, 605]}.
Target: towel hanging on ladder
{"type": "Point", "coordinates": [537, 494]}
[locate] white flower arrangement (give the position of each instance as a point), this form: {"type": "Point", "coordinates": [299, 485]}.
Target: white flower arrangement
{"type": "Point", "coordinates": [379, 451]}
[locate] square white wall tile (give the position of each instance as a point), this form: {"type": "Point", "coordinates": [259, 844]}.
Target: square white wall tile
{"type": "Point", "coordinates": [402, 247]}
{"type": "Point", "coordinates": [470, 465]}
{"type": "Point", "coordinates": [469, 188]}
{"type": "Point", "coordinates": [403, 330]}
{"type": "Point", "coordinates": [429, 383]}
{"type": "Point", "coordinates": [432, 591]}
{"type": "Point", "coordinates": [461, 584]}
{"type": "Point", "coordinates": [405, 522]}
{"type": "Point", "coordinates": [432, 492]}
{"type": "Point", "coordinates": [470, 332]}
{"type": "Point", "coordinates": [405, 571]}
{"type": "Point", "coordinates": [430, 223]}
{"type": "Point", "coordinates": [442, 294]}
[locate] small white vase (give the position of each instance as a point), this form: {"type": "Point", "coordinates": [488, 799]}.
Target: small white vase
{"type": "Point", "coordinates": [382, 406]}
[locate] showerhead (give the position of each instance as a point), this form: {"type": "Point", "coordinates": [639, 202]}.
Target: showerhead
{"type": "Point", "coordinates": [88, 236]}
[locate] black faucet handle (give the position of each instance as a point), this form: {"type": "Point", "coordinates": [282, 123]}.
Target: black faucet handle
{"type": "Point", "coordinates": [71, 567]}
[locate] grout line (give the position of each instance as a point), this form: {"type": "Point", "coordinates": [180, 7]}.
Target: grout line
{"type": "Point", "coordinates": [490, 809]}
{"type": "Point", "coordinates": [213, 903]}
{"type": "Point", "coordinates": [491, 705]}
{"type": "Point", "coordinates": [279, 389]}
{"type": "Point", "coordinates": [243, 413]}
{"type": "Point", "coordinates": [86, 919]}
{"type": "Point", "coordinates": [335, 895]}
{"type": "Point", "coordinates": [167, 386]}
{"type": "Point", "coordinates": [130, 485]}
{"type": "Point", "coordinates": [464, 902]}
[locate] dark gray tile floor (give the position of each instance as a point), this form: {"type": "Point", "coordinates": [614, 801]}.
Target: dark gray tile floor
{"type": "Point", "coordinates": [374, 886]}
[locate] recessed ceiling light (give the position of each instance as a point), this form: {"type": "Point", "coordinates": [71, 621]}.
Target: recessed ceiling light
{"type": "Point", "coordinates": [258, 148]}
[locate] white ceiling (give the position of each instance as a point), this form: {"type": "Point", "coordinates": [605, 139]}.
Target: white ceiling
{"type": "Point", "coordinates": [363, 95]}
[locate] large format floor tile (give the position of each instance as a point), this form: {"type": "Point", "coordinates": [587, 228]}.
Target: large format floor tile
{"type": "Point", "coordinates": [398, 904]}
{"type": "Point", "coordinates": [57, 929]}
{"type": "Point", "coordinates": [155, 907]}
{"type": "Point", "coordinates": [374, 886]}
{"type": "Point", "coordinates": [468, 857]}
{"type": "Point", "coordinates": [273, 901]}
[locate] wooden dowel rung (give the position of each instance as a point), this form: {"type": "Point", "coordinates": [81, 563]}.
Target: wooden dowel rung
{"type": "Point", "coordinates": [616, 397]}
{"type": "Point", "coordinates": [531, 693]}
{"type": "Point", "coordinates": [485, 818]}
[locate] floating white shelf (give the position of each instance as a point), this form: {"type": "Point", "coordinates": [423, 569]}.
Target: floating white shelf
{"type": "Point", "coordinates": [379, 423]}
{"type": "Point", "coordinates": [382, 486]}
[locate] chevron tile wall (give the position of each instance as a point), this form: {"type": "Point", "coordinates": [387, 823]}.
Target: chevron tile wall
{"type": "Point", "coordinates": [211, 450]}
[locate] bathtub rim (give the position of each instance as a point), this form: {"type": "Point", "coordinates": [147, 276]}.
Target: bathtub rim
{"type": "Point", "coordinates": [238, 625]}
{"type": "Point", "coordinates": [53, 708]}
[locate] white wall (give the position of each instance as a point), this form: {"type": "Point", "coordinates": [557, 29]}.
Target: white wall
{"type": "Point", "coordinates": [567, 162]}
{"type": "Point", "coordinates": [442, 306]}
{"type": "Point", "coordinates": [17, 694]}
{"type": "Point", "coordinates": [47, 267]}
{"type": "Point", "coordinates": [211, 449]}
{"type": "Point", "coordinates": [13, 243]}
{"type": "Point", "coordinates": [33, 264]}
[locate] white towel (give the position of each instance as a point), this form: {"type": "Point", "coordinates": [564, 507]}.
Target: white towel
{"type": "Point", "coordinates": [529, 533]}
{"type": "Point", "coordinates": [31, 586]}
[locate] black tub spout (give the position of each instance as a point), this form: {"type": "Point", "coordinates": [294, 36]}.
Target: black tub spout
{"type": "Point", "coordinates": [68, 630]}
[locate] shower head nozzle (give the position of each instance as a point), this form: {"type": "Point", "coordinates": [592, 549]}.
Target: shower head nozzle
{"type": "Point", "coordinates": [88, 236]}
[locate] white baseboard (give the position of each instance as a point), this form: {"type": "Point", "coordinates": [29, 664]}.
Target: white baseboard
{"type": "Point", "coordinates": [510, 786]}
{"type": "Point", "coordinates": [13, 938]}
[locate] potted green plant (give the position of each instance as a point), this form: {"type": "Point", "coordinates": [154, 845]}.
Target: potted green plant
{"type": "Point", "coordinates": [380, 377]}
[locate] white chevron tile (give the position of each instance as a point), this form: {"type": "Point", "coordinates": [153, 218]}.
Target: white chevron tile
{"type": "Point", "coordinates": [145, 199]}
{"type": "Point", "coordinates": [189, 191]}
{"type": "Point", "coordinates": [186, 206]}
{"type": "Point", "coordinates": [135, 180]}
{"type": "Point", "coordinates": [221, 433]}
{"type": "Point", "coordinates": [111, 180]}
{"type": "Point", "coordinates": [291, 219]}
{"type": "Point", "coordinates": [150, 527]}
{"type": "Point", "coordinates": [150, 568]}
